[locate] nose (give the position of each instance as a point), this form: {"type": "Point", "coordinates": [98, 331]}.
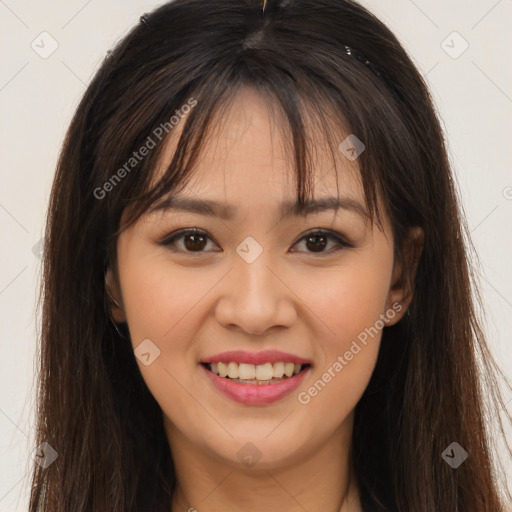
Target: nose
{"type": "Point", "coordinates": [255, 297]}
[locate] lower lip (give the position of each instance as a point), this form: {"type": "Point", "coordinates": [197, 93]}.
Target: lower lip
{"type": "Point", "coordinates": [255, 394]}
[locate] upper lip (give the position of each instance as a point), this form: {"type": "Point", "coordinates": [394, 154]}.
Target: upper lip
{"type": "Point", "coordinates": [262, 357]}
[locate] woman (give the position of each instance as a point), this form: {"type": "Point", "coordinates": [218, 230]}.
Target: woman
{"type": "Point", "coordinates": [256, 291]}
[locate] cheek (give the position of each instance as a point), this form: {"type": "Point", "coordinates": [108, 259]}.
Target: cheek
{"type": "Point", "coordinates": [161, 302]}
{"type": "Point", "coordinates": [349, 336]}
{"type": "Point", "coordinates": [347, 299]}
{"type": "Point", "coordinates": [163, 305]}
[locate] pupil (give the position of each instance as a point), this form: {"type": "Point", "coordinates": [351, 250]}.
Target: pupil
{"type": "Point", "coordinates": [195, 240]}
{"type": "Point", "coordinates": [317, 245]}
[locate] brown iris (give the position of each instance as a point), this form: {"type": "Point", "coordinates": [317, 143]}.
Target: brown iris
{"type": "Point", "coordinates": [315, 244]}
{"type": "Point", "coordinates": [195, 242]}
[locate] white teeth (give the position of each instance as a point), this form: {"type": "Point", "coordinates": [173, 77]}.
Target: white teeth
{"type": "Point", "coordinates": [278, 370]}
{"type": "Point", "coordinates": [246, 371]}
{"type": "Point", "coordinates": [223, 370]}
{"type": "Point", "coordinates": [264, 371]}
{"type": "Point", "coordinates": [232, 370]}
{"type": "Point", "coordinates": [258, 372]}
{"type": "Point", "coordinates": [288, 369]}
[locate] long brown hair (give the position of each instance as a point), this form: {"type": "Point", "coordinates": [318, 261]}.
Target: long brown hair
{"type": "Point", "coordinates": [326, 58]}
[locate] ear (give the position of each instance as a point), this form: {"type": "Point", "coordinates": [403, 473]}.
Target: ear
{"type": "Point", "coordinates": [402, 289]}
{"type": "Point", "coordinates": [114, 300]}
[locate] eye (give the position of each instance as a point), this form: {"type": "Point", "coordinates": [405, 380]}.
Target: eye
{"type": "Point", "coordinates": [195, 240]}
{"type": "Point", "coordinates": [317, 240]}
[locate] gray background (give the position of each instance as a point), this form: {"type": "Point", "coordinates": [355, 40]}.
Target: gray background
{"type": "Point", "coordinates": [472, 90]}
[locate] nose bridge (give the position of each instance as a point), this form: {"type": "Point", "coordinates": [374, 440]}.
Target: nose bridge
{"type": "Point", "coordinates": [255, 285]}
{"type": "Point", "coordinates": [255, 281]}
{"type": "Point", "coordinates": [255, 298]}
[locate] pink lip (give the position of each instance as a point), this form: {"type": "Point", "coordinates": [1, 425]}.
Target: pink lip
{"type": "Point", "coordinates": [254, 394]}
{"type": "Point", "coordinates": [262, 357]}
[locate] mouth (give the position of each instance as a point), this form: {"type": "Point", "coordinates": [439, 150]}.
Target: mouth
{"type": "Point", "coordinates": [256, 374]}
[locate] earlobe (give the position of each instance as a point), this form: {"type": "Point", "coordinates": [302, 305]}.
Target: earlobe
{"type": "Point", "coordinates": [402, 282]}
{"type": "Point", "coordinates": [113, 295]}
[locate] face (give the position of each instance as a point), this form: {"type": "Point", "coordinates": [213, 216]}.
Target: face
{"type": "Point", "coordinates": [262, 283]}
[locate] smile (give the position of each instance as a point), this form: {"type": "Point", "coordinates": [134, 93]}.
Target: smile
{"type": "Point", "coordinates": [258, 385]}
{"type": "Point", "coordinates": [259, 374]}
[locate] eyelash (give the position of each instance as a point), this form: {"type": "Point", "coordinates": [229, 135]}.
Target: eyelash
{"type": "Point", "coordinates": [341, 241]}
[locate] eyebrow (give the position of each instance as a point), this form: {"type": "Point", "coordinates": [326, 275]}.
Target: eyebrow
{"type": "Point", "coordinates": [287, 209]}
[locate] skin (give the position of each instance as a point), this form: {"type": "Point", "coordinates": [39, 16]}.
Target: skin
{"type": "Point", "coordinates": [195, 304]}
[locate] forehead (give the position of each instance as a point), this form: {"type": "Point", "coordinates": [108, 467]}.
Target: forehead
{"type": "Point", "coordinates": [247, 157]}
